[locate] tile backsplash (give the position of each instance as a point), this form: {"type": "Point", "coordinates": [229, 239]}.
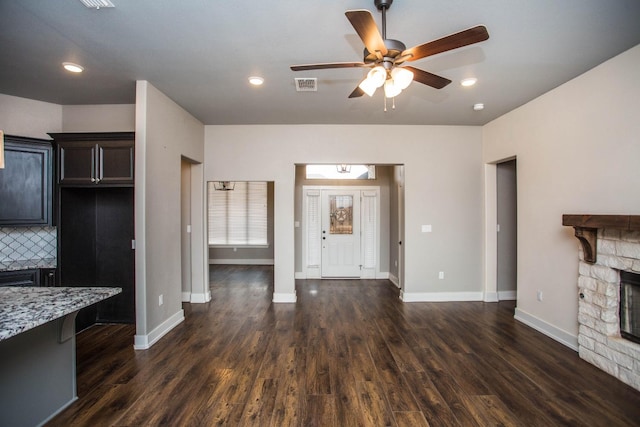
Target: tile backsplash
{"type": "Point", "coordinates": [37, 245]}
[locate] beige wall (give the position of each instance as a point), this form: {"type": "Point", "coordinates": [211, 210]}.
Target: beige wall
{"type": "Point", "coordinates": [443, 170]}
{"type": "Point", "coordinates": [164, 133]}
{"type": "Point", "coordinates": [578, 151]}
{"type": "Point", "coordinates": [99, 118]}
{"type": "Point", "coordinates": [27, 117]}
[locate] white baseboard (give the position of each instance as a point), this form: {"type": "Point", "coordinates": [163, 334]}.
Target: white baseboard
{"type": "Point", "coordinates": [242, 261]}
{"type": "Point", "coordinates": [379, 276]}
{"type": "Point", "coordinates": [279, 298]}
{"type": "Point", "coordinates": [144, 342]}
{"type": "Point", "coordinates": [507, 295]}
{"type": "Point", "coordinates": [200, 298]}
{"type": "Point", "coordinates": [440, 296]}
{"type": "Point", "coordinates": [490, 297]}
{"type": "Point", "coordinates": [186, 296]}
{"type": "Point", "coordinates": [563, 337]}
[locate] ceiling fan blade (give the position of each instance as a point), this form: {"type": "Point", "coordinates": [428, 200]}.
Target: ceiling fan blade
{"type": "Point", "coordinates": [327, 65]}
{"type": "Point", "coordinates": [365, 26]}
{"type": "Point", "coordinates": [427, 78]}
{"type": "Point", "coordinates": [357, 92]}
{"type": "Point", "coordinates": [454, 41]}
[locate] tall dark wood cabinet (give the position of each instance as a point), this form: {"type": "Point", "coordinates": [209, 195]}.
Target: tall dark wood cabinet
{"type": "Point", "coordinates": [95, 206]}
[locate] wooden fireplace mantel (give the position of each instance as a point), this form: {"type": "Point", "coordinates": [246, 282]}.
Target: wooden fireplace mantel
{"type": "Point", "coordinates": [586, 229]}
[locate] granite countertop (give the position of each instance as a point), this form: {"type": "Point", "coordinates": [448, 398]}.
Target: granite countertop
{"type": "Point", "coordinates": [28, 264]}
{"type": "Point", "coordinates": [24, 308]}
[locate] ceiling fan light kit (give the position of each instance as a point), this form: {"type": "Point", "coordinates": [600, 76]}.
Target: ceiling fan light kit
{"type": "Point", "coordinates": [387, 56]}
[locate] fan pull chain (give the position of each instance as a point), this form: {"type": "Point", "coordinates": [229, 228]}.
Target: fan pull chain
{"type": "Point", "coordinates": [393, 103]}
{"type": "Point", "coordinates": [385, 103]}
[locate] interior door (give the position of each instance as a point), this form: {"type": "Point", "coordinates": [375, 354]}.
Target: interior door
{"type": "Point", "coordinates": [341, 233]}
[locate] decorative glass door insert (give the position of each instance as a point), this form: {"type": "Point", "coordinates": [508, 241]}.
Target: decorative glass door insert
{"type": "Point", "coordinates": [341, 214]}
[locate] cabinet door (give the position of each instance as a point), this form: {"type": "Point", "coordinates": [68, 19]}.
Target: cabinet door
{"type": "Point", "coordinates": [77, 163]}
{"type": "Point", "coordinates": [115, 162]}
{"type": "Point", "coordinates": [25, 183]}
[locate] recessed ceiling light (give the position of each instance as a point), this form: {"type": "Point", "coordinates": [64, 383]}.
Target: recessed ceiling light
{"type": "Point", "coordinates": [478, 107]}
{"type": "Point", "coordinates": [74, 68]}
{"type": "Point", "coordinates": [469, 82]}
{"type": "Point", "coordinates": [256, 81]}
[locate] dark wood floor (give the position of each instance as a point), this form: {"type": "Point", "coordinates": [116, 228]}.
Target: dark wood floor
{"type": "Point", "coordinates": [349, 353]}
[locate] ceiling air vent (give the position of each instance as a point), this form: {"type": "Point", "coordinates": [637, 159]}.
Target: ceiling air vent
{"type": "Point", "coordinates": [306, 84]}
{"type": "Point", "coordinates": [97, 4]}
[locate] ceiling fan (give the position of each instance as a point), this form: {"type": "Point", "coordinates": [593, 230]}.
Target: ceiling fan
{"type": "Point", "coordinates": [386, 56]}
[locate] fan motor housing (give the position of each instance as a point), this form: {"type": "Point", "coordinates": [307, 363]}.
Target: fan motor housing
{"type": "Point", "coordinates": [394, 48]}
{"type": "Point", "coordinates": [382, 4]}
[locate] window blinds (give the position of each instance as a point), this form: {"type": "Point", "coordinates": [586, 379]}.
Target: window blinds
{"type": "Point", "coordinates": [238, 217]}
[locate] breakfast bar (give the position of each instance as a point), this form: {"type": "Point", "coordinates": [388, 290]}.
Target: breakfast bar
{"type": "Point", "coordinates": [37, 349]}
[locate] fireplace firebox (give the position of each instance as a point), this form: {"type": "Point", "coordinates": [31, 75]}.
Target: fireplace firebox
{"type": "Point", "coordinates": [630, 306]}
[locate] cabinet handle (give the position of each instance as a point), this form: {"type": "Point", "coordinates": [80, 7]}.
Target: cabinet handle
{"type": "Point", "coordinates": [93, 180]}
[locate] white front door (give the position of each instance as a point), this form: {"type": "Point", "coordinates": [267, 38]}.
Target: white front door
{"type": "Point", "coordinates": [341, 233]}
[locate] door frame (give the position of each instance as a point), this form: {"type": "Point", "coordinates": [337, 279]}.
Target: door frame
{"type": "Point", "coordinates": [315, 271]}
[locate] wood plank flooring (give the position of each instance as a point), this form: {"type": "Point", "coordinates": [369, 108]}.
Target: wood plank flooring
{"type": "Point", "coordinates": [349, 353]}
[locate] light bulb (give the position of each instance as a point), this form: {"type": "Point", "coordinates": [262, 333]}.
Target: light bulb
{"type": "Point", "coordinates": [402, 77]}
{"type": "Point", "coordinates": [74, 68]}
{"type": "Point", "coordinates": [368, 86]}
{"type": "Point", "coordinates": [377, 76]}
{"type": "Point", "coordinates": [391, 89]}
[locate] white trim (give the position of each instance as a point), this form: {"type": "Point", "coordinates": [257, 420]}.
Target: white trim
{"type": "Point", "coordinates": [382, 275]}
{"type": "Point", "coordinates": [144, 342]}
{"type": "Point", "coordinates": [300, 275]}
{"type": "Point", "coordinates": [440, 296]}
{"type": "Point", "coordinates": [186, 296]}
{"type": "Point", "coordinates": [507, 295]}
{"type": "Point", "coordinates": [490, 284]}
{"type": "Point", "coordinates": [563, 337]}
{"type": "Point", "coordinates": [197, 298]}
{"type": "Point", "coordinates": [284, 298]}
{"type": "Point", "coordinates": [242, 261]}
{"type": "Point", "coordinates": [306, 189]}
{"type": "Point", "coordinates": [491, 296]}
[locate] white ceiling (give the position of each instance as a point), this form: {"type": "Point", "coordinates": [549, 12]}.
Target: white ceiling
{"type": "Point", "coordinates": [201, 52]}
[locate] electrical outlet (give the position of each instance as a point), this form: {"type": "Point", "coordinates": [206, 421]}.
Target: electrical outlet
{"type": "Point", "coordinates": [441, 275]}
{"type": "Point", "coordinates": [160, 299]}
{"type": "Point", "coordinates": [395, 263]}
{"type": "Point", "coordinates": [539, 295]}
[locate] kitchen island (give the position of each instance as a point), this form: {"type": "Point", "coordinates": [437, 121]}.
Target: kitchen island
{"type": "Point", "coordinates": [37, 350]}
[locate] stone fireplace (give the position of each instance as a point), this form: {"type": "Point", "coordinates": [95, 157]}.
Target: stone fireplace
{"type": "Point", "coordinates": [610, 244]}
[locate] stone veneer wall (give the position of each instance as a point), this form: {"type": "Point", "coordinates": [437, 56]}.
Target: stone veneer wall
{"type": "Point", "coordinates": [599, 340]}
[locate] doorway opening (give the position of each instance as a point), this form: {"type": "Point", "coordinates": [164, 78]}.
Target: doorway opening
{"type": "Point", "coordinates": [350, 228]}
{"type": "Point", "coordinates": [507, 230]}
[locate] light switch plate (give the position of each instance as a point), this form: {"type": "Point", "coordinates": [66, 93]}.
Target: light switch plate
{"type": "Point", "coordinates": [426, 228]}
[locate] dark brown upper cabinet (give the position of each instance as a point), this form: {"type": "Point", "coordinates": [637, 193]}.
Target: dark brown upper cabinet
{"type": "Point", "coordinates": [105, 159]}
{"type": "Point", "coordinates": [25, 182]}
